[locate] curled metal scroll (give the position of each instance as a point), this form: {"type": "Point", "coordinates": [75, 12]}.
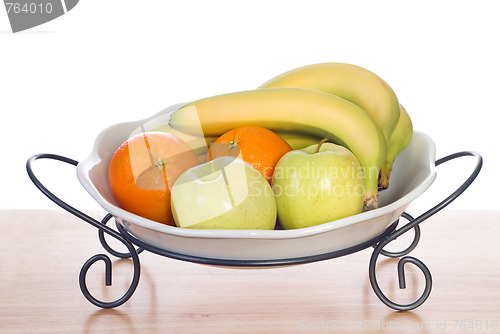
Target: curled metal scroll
{"type": "Point", "coordinates": [107, 247]}
{"type": "Point", "coordinates": [101, 226]}
{"type": "Point", "coordinates": [411, 247]}
{"type": "Point", "coordinates": [413, 224]}
{"type": "Point", "coordinates": [379, 249]}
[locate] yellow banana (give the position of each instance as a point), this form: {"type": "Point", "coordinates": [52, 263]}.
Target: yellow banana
{"type": "Point", "coordinates": [353, 83]}
{"type": "Point", "coordinates": [399, 140]}
{"type": "Point", "coordinates": [198, 143]}
{"type": "Point", "coordinates": [297, 110]}
{"type": "Point", "coordinates": [298, 140]}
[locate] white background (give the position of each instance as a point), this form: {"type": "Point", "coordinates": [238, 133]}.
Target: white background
{"type": "Point", "coordinates": [112, 61]}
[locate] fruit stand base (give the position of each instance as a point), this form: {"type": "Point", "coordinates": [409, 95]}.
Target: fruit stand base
{"type": "Point", "coordinates": [390, 234]}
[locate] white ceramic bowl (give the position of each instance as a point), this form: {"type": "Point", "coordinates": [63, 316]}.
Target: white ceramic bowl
{"type": "Point", "coordinates": [414, 171]}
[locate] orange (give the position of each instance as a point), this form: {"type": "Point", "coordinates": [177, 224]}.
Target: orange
{"type": "Point", "coordinates": [144, 168]}
{"type": "Point", "coordinates": [256, 145]}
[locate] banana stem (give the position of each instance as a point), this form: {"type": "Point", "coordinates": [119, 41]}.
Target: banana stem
{"type": "Point", "coordinates": [371, 201]}
{"type": "Point", "coordinates": [383, 179]}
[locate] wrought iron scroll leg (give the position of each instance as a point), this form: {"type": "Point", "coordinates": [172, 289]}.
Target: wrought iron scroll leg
{"type": "Point", "coordinates": [101, 226]}
{"type": "Point", "coordinates": [414, 224]}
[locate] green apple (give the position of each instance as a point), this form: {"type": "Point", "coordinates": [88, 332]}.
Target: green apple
{"type": "Point", "coordinates": [317, 184]}
{"type": "Point", "coordinates": [225, 193]}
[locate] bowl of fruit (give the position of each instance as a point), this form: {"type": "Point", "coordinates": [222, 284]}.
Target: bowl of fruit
{"type": "Point", "coordinates": [315, 162]}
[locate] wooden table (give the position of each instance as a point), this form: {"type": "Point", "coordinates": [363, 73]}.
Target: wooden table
{"type": "Point", "coordinates": [42, 253]}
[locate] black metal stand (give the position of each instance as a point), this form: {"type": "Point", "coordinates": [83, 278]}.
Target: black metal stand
{"type": "Point", "coordinates": [389, 235]}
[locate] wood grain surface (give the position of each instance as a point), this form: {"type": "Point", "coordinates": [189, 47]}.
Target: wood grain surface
{"type": "Point", "coordinates": [42, 253]}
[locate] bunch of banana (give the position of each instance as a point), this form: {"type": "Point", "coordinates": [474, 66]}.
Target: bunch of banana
{"type": "Point", "coordinates": [304, 111]}
{"type": "Point", "coordinates": [363, 88]}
